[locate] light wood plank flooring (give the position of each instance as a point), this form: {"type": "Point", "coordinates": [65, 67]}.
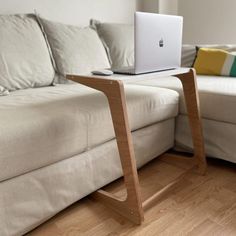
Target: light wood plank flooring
{"type": "Point", "coordinates": [198, 205]}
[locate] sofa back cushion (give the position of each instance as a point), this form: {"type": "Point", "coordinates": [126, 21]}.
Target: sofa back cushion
{"type": "Point", "coordinates": [24, 58]}
{"type": "Point", "coordinates": [188, 55]}
{"type": "Point", "coordinates": [119, 40]}
{"type": "Point", "coordinates": [76, 50]}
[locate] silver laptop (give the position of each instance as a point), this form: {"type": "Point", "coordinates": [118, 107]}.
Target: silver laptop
{"type": "Point", "coordinates": [158, 43]}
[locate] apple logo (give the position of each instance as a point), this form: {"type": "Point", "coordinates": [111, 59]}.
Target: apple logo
{"type": "Point", "coordinates": [161, 43]}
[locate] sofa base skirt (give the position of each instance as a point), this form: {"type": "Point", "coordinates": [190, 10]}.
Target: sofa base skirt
{"type": "Point", "coordinates": [30, 199]}
{"type": "Point", "coordinates": [219, 138]}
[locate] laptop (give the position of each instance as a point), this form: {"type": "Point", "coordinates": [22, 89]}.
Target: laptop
{"type": "Point", "coordinates": [158, 43]}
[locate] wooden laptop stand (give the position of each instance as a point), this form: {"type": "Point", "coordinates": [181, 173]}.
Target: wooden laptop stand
{"type": "Point", "coordinates": [132, 207]}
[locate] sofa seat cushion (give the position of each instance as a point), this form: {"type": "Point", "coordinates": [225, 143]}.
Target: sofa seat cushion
{"type": "Point", "coordinates": [45, 125]}
{"type": "Point", "coordinates": [217, 95]}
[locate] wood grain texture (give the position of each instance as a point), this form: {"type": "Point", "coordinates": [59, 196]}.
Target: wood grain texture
{"type": "Point", "coordinates": [190, 91]}
{"type": "Point", "coordinates": [131, 207]}
{"type": "Point", "coordinates": [197, 206]}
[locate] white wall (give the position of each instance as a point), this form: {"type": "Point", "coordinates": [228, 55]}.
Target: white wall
{"type": "Point", "coordinates": [150, 6]}
{"type": "Point", "coordinates": [74, 11]}
{"type": "Point", "coordinates": [209, 21]}
{"type": "Point", "coordinates": [205, 21]}
{"type": "Point", "coordinates": [139, 5]}
{"type": "Point", "coordinates": [169, 7]}
{"type": "Point", "coordinates": [160, 6]}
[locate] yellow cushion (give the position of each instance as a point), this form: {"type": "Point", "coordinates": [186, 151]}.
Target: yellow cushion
{"type": "Point", "coordinates": [212, 61]}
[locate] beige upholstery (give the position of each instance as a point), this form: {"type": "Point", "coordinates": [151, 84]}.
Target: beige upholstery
{"type": "Point", "coordinates": [76, 50]}
{"type": "Point", "coordinates": [217, 95]}
{"type": "Point", "coordinates": [188, 55]}
{"type": "Point", "coordinates": [45, 125]}
{"type": "Point", "coordinates": [24, 58]}
{"type": "Point", "coordinates": [3, 91]}
{"type": "Point", "coordinates": [119, 39]}
{"type": "Point", "coordinates": [28, 200]}
{"type": "Point", "coordinates": [219, 138]}
{"type": "Point", "coordinates": [217, 102]}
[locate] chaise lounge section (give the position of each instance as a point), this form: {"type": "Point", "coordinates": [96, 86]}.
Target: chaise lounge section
{"type": "Point", "coordinates": [217, 96]}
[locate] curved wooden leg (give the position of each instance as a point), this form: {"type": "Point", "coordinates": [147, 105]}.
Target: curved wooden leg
{"type": "Point", "coordinates": [131, 207]}
{"type": "Point", "coordinates": [188, 81]}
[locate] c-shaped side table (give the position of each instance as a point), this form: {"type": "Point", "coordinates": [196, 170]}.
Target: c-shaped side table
{"type": "Point", "coordinates": [132, 207]}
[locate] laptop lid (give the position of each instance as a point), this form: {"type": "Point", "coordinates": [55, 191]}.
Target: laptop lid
{"type": "Point", "coordinates": [158, 42]}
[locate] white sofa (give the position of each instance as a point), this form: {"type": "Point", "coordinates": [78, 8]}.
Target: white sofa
{"type": "Point", "coordinates": [57, 146]}
{"type": "Point", "coordinates": [57, 142]}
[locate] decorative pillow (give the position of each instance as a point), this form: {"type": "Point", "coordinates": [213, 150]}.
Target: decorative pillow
{"type": "Point", "coordinates": [211, 61]}
{"type": "Point", "coordinates": [119, 39]}
{"type": "Point", "coordinates": [75, 50]}
{"type": "Point", "coordinates": [24, 58]}
{"type": "Point", "coordinates": [189, 52]}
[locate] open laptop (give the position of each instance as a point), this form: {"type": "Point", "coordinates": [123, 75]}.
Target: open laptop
{"type": "Point", "coordinates": [158, 43]}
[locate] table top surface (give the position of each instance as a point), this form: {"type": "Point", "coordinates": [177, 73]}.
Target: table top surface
{"type": "Point", "coordinates": [147, 76]}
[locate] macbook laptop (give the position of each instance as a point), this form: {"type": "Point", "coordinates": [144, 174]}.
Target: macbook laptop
{"type": "Point", "coordinates": [158, 43]}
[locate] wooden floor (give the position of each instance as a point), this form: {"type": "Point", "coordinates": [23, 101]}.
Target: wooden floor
{"type": "Point", "coordinates": [198, 205]}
